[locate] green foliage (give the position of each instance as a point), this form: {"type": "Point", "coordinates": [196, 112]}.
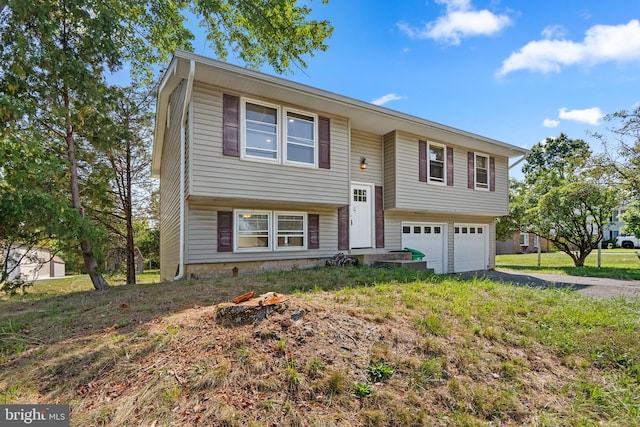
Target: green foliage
{"type": "Point", "coordinates": [147, 239]}
{"type": "Point", "coordinates": [362, 390]}
{"type": "Point", "coordinates": [379, 371]}
{"type": "Point", "coordinates": [631, 218]}
{"type": "Point", "coordinates": [562, 198]}
{"type": "Point", "coordinates": [555, 161]}
{"type": "Point", "coordinates": [54, 98]}
{"type": "Point", "coordinates": [12, 287]}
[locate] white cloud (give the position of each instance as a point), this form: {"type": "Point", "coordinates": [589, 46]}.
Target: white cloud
{"type": "Point", "coordinates": [387, 98]}
{"type": "Point", "coordinates": [602, 43]}
{"type": "Point", "coordinates": [590, 116]}
{"type": "Point", "coordinates": [549, 123]}
{"type": "Point", "coordinates": [554, 32]}
{"type": "Point", "coordinates": [461, 20]}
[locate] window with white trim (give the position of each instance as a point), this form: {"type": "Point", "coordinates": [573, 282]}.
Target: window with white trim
{"type": "Point", "coordinates": [482, 171]}
{"type": "Point", "coordinates": [301, 138]}
{"type": "Point", "coordinates": [261, 130]}
{"type": "Point", "coordinates": [257, 231]}
{"type": "Point", "coordinates": [253, 230]}
{"type": "Point", "coordinates": [275, 134]}
{"type": "Point", "coordinates": [436, 164]}
{"type": "Point", "coordinates": [291, 230]}
{"type": "Point", "coordinates": [524, 239]}
{"type": "Point", "coordinates": [536, 241]}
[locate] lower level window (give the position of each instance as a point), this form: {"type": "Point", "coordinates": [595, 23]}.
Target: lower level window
{"type": "Point", "coordinates": [290, 230]}
{"type": "Point", "coordinates": [269, 230]}
{"type": "Point", "coordinates": [253, 230]}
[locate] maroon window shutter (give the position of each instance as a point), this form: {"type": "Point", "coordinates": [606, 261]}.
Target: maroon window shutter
{"type": "Point", "coordinates": [324, 143]}
{"type": "Point", "coordinates": [313, 231]}
{"type": "Point", "coordinates": [379, 204]}
{"type": "Point", "coordinates": [422, 161]}
{"type": "Point", "coordinates": [471, 170]}
{"type": "Point", "coordinates": [492, 174]}
{"type": "Point", "coordinates": [449, 166]}
{"type": "Point", "coordinates": [231, 125]}
{"type": "Point", "coordinates": [225, 231]}
{"type": "Point", "coordinates": [343, 228]}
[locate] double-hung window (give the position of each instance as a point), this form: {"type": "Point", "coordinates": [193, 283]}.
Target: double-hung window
{"type": "Point", "coordinates": [301, 137]}
{"type": "Point", "coordinates": [253, 230]}
{"type": "Point", "coordinates": [437, 163]}
{"type": "Point", "coordinates": [258, 231]}
{"type": "Point", "coordinates": [274, 134]}
{"type": "Point", "coordinates": [261, 130]}
{"type": "Point", "coordinates": [524, 239]}
{"type": "Point", "coordinates": [290, 230]}
{"type": "Point", "coordinates": [482, 171]}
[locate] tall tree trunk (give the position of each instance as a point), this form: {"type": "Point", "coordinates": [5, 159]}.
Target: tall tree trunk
{"type": "Point", "coordinates": [131, 249]}
{"type": "Point", "coordinates": [90, 263]}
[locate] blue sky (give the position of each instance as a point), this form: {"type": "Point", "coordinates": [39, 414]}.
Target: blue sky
{"type": "Point", "coordinates": [513, 70]}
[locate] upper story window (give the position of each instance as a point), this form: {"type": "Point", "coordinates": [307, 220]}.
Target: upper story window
{"type": "Point", "coordinates": [271, 135]}
{"type": "Point", "coordinates": [437, 163]}
{"type": "Point", "coordinates": [261, 130]}
{"type": "Point", "coordinates": [482, 171]}
{"type": "Point", "coordinates": [301, 137]}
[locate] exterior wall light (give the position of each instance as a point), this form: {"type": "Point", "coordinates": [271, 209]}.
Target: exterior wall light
{"type": "Point", "coordinates": [363, 163]}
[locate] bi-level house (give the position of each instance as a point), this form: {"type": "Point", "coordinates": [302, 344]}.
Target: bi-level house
{"type": "Point", "coordinates": [258, 172]}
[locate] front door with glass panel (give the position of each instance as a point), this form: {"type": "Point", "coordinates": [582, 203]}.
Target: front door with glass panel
{"type": "Point", "coordinates": [360, 216]}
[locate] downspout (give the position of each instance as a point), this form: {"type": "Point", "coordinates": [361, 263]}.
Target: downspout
{"type": "Point", "coordinates": [517, 162]}
{"type": "Point", "coordinates": [187, 97]}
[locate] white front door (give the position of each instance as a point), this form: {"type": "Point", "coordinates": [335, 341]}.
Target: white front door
{"type": "Point", "coordinates": [360, 232]}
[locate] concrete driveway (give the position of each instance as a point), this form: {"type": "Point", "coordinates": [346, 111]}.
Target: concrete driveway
{"type": "Point", "coordinates": [595, 287]}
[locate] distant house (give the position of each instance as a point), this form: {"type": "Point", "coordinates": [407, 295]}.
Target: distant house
{"type": "Point", "coordinates": [613, 229]}
{"type": "Point", "coordinates": [34, 263]}
{"type": "Point", "coordinates": [523, 243]}
{"type": "Point", "coordinates": [258, 172]}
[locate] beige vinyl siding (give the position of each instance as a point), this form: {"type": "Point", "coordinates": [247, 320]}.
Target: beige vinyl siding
{"type": "Point", "coordinates": [187, 155]}
{"type": "Point", "coordinates": [390, 190]}
{"type": "Point", "coordinates": [369, 146]}
{"type": "Point", "coordinates": [216, 175]}
{"type": "Point", "coordinates": [202, 235]}
{"type": "Point", "coordinates": [393, 230]}
{"type": "Point", "coordinates": [420, 196]}
{"type": "Point", "coordinates": [170, 189]}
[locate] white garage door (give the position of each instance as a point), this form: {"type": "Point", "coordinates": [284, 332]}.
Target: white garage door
{"type": "Point", "coordinates": [470, 247]}
{"type": "Point", "coordinates": [428, 238]}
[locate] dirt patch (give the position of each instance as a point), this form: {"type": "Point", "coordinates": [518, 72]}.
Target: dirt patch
{"type": "Point", "coordinates": [295, 361]}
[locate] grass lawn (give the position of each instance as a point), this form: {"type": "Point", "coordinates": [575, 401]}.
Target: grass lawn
{"type": "Point", "coordinates": [79, 283]}
{"type": "Point", "coordinates": [615, 264]}
{"type": "Point", "coordinates": [351, 347]}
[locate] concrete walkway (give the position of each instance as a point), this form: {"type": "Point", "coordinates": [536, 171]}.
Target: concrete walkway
{"type": "Point", "coordinates": [595, 287]}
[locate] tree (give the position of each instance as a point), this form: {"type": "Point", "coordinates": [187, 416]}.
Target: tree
{"type": "Point", "coordinates": [621, 159]}
{"type": "Point", "coordinates": [562, 199]}
{"type": "Point", "coordinates": [54, 55]}
{"type": "Point", "coordinates": [31, 164]}
{"type": "Point", "coordinates": [126, 151]}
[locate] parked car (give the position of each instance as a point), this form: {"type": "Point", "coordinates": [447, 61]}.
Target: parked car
{"type": "Point", "coordinates": [628, 242]}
